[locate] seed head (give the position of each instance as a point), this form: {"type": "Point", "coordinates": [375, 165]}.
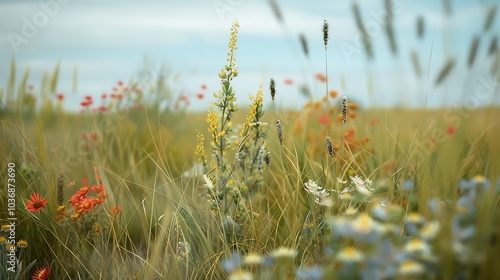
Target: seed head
{"type": "Point", "coordinates": [344, 109]}
{"type": "Point", "coordinates": [280, 131]}
{"type": "Point", "coordinates": [325, 32]}
{"type": "Point", "coordinates": [329, 147]}
{"type": "Point", "coordinates": [273, 89]}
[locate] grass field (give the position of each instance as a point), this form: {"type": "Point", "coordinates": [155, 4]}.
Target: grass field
{"type": "Point", "coordinates": [333, 191]}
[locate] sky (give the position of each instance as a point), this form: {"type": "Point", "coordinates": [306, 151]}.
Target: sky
{"type": "Point", "coordinates": [108, 41]}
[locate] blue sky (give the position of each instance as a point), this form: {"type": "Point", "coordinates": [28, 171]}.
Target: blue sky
{"type": "Point", "coordinates": [108, 41]}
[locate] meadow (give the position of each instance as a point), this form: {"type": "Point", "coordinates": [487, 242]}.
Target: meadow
{"type": "Point", "coordinates": [125, 189]}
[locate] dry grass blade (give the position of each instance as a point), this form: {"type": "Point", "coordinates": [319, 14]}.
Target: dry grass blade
{"type": "Point", "coordinates": [493, 46]}
{"type": "Point", "coordinates": [445, 71]}
{"type": "Point", "coordinates": [276, 10]}
{"type": "Point", "coordinates": [389, 30]}
{"type": "Point", "coordinates": [415, 60]}
{"type": "Point", "coordinates": [492, 11]}
{"type": "Point", "coordinates": [303, 44]}
{"type": "Point", "coordinates": [420, 27]}
{"type": "Point", "coordinates": [362, 30]}
{"type": "Point", "coordinates": [473, 51]}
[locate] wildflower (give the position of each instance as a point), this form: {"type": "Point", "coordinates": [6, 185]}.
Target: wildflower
{"type": "Point", "coordinates": [451, 130]}
{"type": "Point", "coordinates": [333, 93]}
{"type": "Point", "coordinates": [203, 86]}
{"type": "Point", "coordinates": [120, 83]}
{"type": "Point", "coordinates": [321, 77]}
{"type": "Point", "coordinates": [232, 263]}
{"type": "Point", "coordinates": [200, 96]}
{"type": "Point", "coordinates": [3, 240]}
{"type": "Point", "coordinates": [241, 275]}
{"type": "Point", "coordinates": [320, 193]}
{"type": "Point", "coordinates": [98, 188]}
{"type": "Point", "coordinates": [283, 253]}
{"type": "Point", "coordinates": [5, 228]}
{"type": "Point", "coordinates": [41, 273]}
{"type": "Point", "coordinates": [324, 119]}
{"type": "Point", "coordinates": [36, 203]}
{"type": "Point", "coordinates": [22, 243]}
{"type": "Point", "coordinates": [115, 209]}
{"type": "Point", "coordinates": [410, 267]}
{"type": "Point", "coordinates": [86, 205]}
{"type": "Point", "coordinates": [310, 273]}
{"type": "Point", "coordinates": [60, 97]}
{"type": "Point", "coordinates": [104, 96]}
{"type": "Point", "coordinates": [418, 247]}
{"type": "Point", "coordinates": [253, 259]}
{"type": "Point", "coordinates": [430, 230]}
{"type": "Point", "coordinates": [350, 254]}
{"type": "Point", "coordinates": [353, 106]}
{"type": "Point", "coordinates": [288, 81]}
{"type": "Point", "coordinates": [10, 247]}
{"type": "Point", "coordinates": [75, 216]}
{"type": "Point", "coordinates": [363, 187]}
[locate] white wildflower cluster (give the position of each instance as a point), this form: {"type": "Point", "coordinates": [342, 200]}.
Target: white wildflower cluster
{"type": "Point", "coordinates": [356, 185]}
{"type": "Point", "coordinates": [321, 194]}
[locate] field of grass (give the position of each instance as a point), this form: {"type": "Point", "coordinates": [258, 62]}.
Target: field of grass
{"type": "Point", "coordinates": [333, 191]}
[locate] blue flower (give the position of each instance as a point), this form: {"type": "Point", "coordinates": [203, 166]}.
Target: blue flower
{"type": "Point", "coordinates": [310, 273]}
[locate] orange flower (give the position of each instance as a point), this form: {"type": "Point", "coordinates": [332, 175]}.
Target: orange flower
{"type": "Point", "coordinates": [333, 93]}
{"type": "Point", "coordinates": [321, 77]}
{"type": "Point", "coordinates": [115, 209]}
{"type": "Point", "coordinates": [349, 134]}
{"type": "Point", "coordinates": [324, 119]}
{"type": "Point", "coordinates": [352, 105]}
{"type": "Point", "coordinates": [36, 203]}
{"type": "Point", "coordinates": [86, 205]}
{"type": "Point", "coordinates": [99, 188]}
{"type": "Point", "coordinates": [41, 273]}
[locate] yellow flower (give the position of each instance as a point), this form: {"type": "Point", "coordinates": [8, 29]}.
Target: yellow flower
{"type": "Point", "coordinates": [10, 247]}
{"type": "Point", "coordinates": [3, 240]}
{"type": "Point", "coordinates": [22, 243]}
{"type": "Point", "coordinates": [350, 254]}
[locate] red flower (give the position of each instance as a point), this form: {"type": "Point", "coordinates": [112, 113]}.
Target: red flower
{"type": "Point", "coordinates": [98, 188]}
{"type": "Point", "coordinates": [86, 205]}
{"type": "Point", "coordinates": [103, 96]}
{"type": "Point", "coordinates": [102, 108]}
{"type": "Point", "coordinates": [88, 97]}
{"type": "Point", "coordinates": [30, 87]}
{"type": "Point", "coordinates": [451, 130]}
{"type": "Point", "coordinates": [36, 203]}
{"type": "Point", "coordinates": [84, 181]}
{"type": "Point", "coordinates": [288, 81]}
{"type": "Point", "coordinates": [60, 96]}
{"type": "Point", "coordinates": [115, 209]}
{"type": "Point", "coordinates": [203, 86]}
{"type": "Point", "coordinates": [41, 273]}
{"type": "Point", "coordinates": [200, 96]}
{"type": "Point", "coordinates": [125, 89]}
{"type": "Point", "coordinates": [120, 83]}
{"type": "Point", "coordinates": [85, 103]}
{"type": "Point", "coordinates": [324, 119]}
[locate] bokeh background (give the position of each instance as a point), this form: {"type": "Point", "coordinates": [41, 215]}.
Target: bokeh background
{"type": "Point", "coordinates": [101, 42]}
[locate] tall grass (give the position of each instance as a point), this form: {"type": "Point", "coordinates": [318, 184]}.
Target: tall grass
{"type": "Point", "coordinates": [390, 194]}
